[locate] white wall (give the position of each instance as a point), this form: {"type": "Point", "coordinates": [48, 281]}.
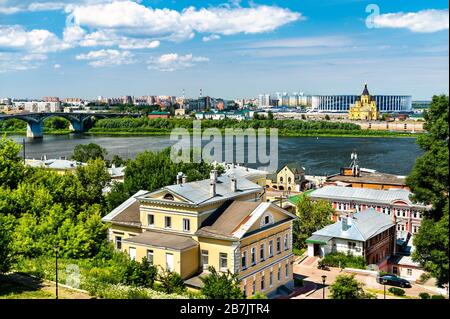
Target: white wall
{"type": "Point", "coordinates": [341, 245]}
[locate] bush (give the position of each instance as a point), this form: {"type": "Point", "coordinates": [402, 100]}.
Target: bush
{"type": "Point", "coordinates": [396, 291]}
{"type": "Point", "coordinates": [171, 282]}
{"type": "Point", "coordinates": [343, 260]}
{"type": "Point", "coordinates": [259, 295]}
{"type": "Point", "coordinates": [424, 295]}
{"type": "Point", "coordinates": [437, 297]}
{"type": "Point", "coordinates": [424, 277]}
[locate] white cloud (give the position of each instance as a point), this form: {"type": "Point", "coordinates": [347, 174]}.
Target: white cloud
{"type": "Point", "coordinates": [13, 61]}
{"type": "Point", "coordinates": [104, 57]}
{"type": "Point", "coordinates": [130, 17]}
{"type": "Point", "coordinates": [37, 40]}
{"type": "Point", "coordinates": [172, 62]}
{"type": "Point", "coordinates": [57, 66]}
{"type": "Point", "coordinates": [211, 37]}
{"type": "Point", "coordinates": [424, 21]}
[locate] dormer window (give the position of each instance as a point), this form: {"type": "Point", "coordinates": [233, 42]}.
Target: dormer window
{"type": "Point", "coordinates": [168, 196]}
{"type": "Point", "coordinates": [266, 219]}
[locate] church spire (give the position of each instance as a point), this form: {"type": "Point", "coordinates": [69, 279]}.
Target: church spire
{"type": "Point", "coordinates": [366, 91]}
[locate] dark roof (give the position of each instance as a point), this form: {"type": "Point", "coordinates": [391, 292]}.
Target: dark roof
{"type": "Point", "coordinates": [226, 223]}
{"type": "Point", "coordinates": [163, 240]}
{"type": "Point", "coordinates": [129, 215]}
{"type": "Point", "coordinates": [370, 178]}
{"type": "Point", "coordinates": [295, 167]}
{"type": "Point", "coordinates": [365, 91]}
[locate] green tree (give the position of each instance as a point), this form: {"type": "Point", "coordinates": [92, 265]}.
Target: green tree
{"type": "Point", "coordinates": [85, 152]}
{"type": "Point", "coordinates": [430, 184]}
{"type": "Point", "coordinates": [221, 285]}
{"type": "Point", "coordinates": [347, 287]}
{"type": "Point", "coordinates": [270, 115]}
{"type": "Point", "coordinates": [117, 160]}
{"type": "Point", "coordinates": [312, 216]}
{"type": "Point", "coordinates": [6, 248]}
{"type": "Point", "coordinates": [141, 274]}
{"type": "Point", "coordinates": [171, 282]}
{"type": "Point", "coordinates": [12, 168]}
{"type": "Point", "coordinates": [93, 178]}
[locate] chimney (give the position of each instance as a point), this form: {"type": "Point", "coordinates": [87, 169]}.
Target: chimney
{"type": "Point", "coordinates": [179, 177]}
{"type": "Point", "coordinates": [344, 224]}
{"type": "Point", "coordinates": [213, 175]}
{"type": "Point", "coordinates": [212, 188]}
{"type": "Point", "coordinates": [349, 221]}
{"type": "Point", "coordinates": [233, 184]}
{"type": "Point", "coordinates": [184, 179]}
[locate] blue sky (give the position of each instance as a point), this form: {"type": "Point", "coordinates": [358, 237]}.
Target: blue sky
{"type": "Point", "coordinates": [234, 49]}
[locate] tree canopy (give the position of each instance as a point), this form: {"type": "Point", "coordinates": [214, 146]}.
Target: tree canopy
{"type": "Point", "coordinates": [347, 287]}
{"type": "Point", "coordinates": [86, 152]}
{"type": "Point", "coordinates": [221, 285]}
{"type": "Point", "coordinates": [430, 185]}
{"type": "Point", "coordinates": [312, 216]}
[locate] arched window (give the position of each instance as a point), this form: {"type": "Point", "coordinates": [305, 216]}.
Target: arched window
{"type": "Point", "coordinates": [168, 196]}
{"type": "Point", "coordinates": [289, 180]}
{"type": "Point", "coordinates": [281, 179]}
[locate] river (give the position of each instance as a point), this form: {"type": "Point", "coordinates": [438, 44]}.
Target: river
{"type": "Point", "coordinates": [320, 156]}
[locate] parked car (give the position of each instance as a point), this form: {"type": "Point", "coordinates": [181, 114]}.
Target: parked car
{"type": "Point", "coordinates": [393, 280]}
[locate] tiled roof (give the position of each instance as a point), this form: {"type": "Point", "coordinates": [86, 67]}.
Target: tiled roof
{"type": "Point", "coordinates": [370, 177]}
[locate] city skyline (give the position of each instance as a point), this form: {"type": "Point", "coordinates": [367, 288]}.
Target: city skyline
{"type": "Point", "coordinates": [237, 49]}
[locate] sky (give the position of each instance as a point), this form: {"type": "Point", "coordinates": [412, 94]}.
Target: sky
{"type": "Point", "coordinates": [229, 49]}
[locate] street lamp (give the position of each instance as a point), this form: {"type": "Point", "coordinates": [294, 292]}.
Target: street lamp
{"type": "Point", "coordinates": [56, 266]}
{"type": "Point", "coordinates": [384, 284]}
{"type": "Point", "coordinates": [323, 285]}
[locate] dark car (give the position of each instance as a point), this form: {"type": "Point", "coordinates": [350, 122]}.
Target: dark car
{"type": "Point", "coordinates": [393, 280]}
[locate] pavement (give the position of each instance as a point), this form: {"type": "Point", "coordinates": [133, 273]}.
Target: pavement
{"type": "Point", "coordinates": [307, 269]}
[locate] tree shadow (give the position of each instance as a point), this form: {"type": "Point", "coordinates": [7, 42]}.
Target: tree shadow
{"type": "Point", "coordinates": [16, 283]}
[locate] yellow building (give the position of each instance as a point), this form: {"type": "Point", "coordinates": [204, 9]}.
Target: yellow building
{"type": "Point", "coordinates": [365, 108]}
{"type": "Point", "coordinates": [290, 177]}
{"type": "Point", "coordinates": [222, 222]}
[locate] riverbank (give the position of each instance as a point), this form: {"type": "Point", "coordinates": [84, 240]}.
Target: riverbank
{"type": "Point", "coordinates": [281, 133]}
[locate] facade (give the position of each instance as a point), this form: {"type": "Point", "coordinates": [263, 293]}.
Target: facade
{"type": "Point", "coordinates": [38, 106]}
{"type": "Point", "coordinates": [394, 202]}
{"type": "Point", "coordinates": [367, 234]}
{"type": "Point", "coordinates": [365, 108]}
{"type": "Point", "coordinates": [341, 103]}
{"type": "Point", "coordinates": [290, 177]}
{"type": "Point", "coordinates": [221, 222]}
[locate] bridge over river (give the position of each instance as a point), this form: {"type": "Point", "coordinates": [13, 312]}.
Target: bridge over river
{"type": "Point", "coordinates": [35, 121]}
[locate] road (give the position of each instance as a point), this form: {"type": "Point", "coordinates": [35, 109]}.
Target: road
{"type": "Point", "coordinates": [309, 272]}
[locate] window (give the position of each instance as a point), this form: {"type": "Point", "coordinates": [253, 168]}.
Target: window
{"type": "Point", "coordinates": [150, 256]}
{"type": "Point", "coordinates": [168, 197]}
{"type": "Point", "coordinates": [223, 261]}
{"type": "Point", "coordinates": [263, 281]}
{"type": "Point", "coordinates": [186, 224]}
{"type": "Point", "coordinates": [262, 250]}
{"type": "Point", "coordinates": [132, 253]}
{"type": "Point", "coordinates": [286, 241]}
{"type": "Point", "coordinates": [289, 180]}
{"type": "Point", "coordinates": [351, 245]}
{"type": "Point", "coordinates": [271, 278]}
{"type": "Point", "coordinates": [266, 220]}
{"type": "Point", "coordinates": [409, 271]}
{"type": "Point", "coordinates": [244, 260]}
{"type": "Point", "coordinates": [254, 287]}
{"type": "Point", "coordinates": [278, 245]}
{"type": "Point", "coordinates": [245, 290]}
{"type": "Point", "coordinates": [253, 252]}
{"type": "Point", "coordinates": [118, 242]}
{"type": "Point", "coordinates": [205, 259]}
{"type": "Point", "coordinates": [279, 273]}
{"type": "Point", "coordinates": [150, 219]}
{"type": "Point", "coordinates": [169, 261]}
{"type": "Point", "coordinates": [286, 270]}
{"type": "Point", "coordinates": [271, 248]}
{"type": "Point", "coordinates": [281, 179]}
{"type": "Point", "coordinates": [168, 222]}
